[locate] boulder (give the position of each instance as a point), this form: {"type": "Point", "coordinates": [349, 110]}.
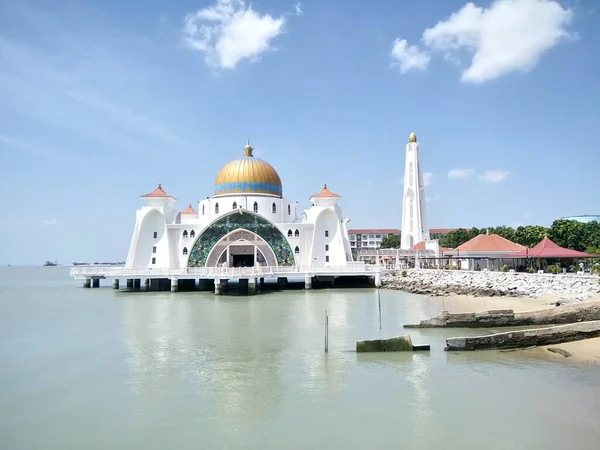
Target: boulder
{"type": "Point", "coordinates": [393, 344]}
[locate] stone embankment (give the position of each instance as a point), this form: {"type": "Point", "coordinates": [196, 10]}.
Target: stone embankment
{"type": "Point", "coordinates": [581, 312]}
{"type": "Point", "coordinates": [490, 284]}
{"type": "Point", "coordinates": [526, 338]}
{"type": "Point", "coordinates": [393, 344]}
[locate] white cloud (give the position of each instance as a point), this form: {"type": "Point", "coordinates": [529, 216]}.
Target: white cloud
{"type": "Point", "coordinates": [298, 8]}
{"type": "Point", "coordinates": [50, 222]}
{"type": "Point", "coordinates": [460, 173]}
{"type": "Point", "coordinates": [408, 57]}
{"type": "Point", "coordinates": [229, 32]}
{"type": "Point", "coordinates": [427, 177]}
{"type": "Point", "coordinates": [508, 36]}
{"type": "Point", "coordinates": [493, 176]}
{"type": "Point", "coordinates": [21, 145]}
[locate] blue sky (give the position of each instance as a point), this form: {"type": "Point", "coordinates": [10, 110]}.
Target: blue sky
{"type": "Point", "coordinates": [99, 101]}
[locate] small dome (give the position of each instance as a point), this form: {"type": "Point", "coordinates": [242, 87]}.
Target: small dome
{"type": "Point", "coordinates": [248, 175]}
{"type": "Point", "coordinates": [412, 138]}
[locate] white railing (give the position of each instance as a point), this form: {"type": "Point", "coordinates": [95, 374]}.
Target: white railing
{"type": "Point", "coordinates": [258, 271]}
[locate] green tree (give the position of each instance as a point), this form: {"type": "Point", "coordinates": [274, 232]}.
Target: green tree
{"type": "Point", "coordinates": [391, 241]}
{"type": "Point", "coordinates": [504, 231]}
{"type": "Point", "coordinates": [592, 234]}
{"type": "Point", "coordinates": [569, 233]}
{"type": "Point", "coordinates": [530, 235]}
{"type": "Point", "coordinates": [454, 238]}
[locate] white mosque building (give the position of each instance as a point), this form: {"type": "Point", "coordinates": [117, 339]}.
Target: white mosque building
{"type": "Point", "coordinates": [246, 223]}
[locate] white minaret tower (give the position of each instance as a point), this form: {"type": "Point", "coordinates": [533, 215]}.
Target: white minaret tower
{"type": "Point", "coordinates": [414, 219]}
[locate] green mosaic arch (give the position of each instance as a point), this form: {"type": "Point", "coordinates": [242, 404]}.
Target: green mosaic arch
{"type": "Point", "coordinates": [244, 220]}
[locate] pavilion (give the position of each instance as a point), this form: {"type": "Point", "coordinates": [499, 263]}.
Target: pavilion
{"type": "Point", "coordinates": [548, 249]}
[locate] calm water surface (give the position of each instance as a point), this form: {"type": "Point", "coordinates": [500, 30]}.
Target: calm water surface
{"type": "Point", "coordinates": [101, 369]}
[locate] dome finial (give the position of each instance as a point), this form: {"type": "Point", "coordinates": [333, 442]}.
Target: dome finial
{"type": "Point", "coordinates": [248, 149]}
{"type": "Point", "coordinates": [412, 138]}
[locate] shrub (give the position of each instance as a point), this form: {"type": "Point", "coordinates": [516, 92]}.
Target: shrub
{"type": "Point", "coordinates": [394, 273]}
{"type": "Point", "coordinates": [404, 274]}
{"type": "Point", "coordinates": [504, 268]}
{"type": "Point", "coordinates": [554, 268]}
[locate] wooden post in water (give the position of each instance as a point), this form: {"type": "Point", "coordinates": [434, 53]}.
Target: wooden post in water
{"type": "Point", "coordinates": [326, 333]}
{"type": "Point", "coordinates": [379, 303]}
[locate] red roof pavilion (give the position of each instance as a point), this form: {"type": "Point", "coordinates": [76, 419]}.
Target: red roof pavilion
{"type": "Point", "coordinates": [549, 249]}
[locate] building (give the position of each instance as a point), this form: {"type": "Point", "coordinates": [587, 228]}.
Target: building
{"type": "Point", "coordinates": [414, 217]}
{"type": "Point", "coordinates": [247, 222]}
{"type": "Point", "coordinates": [584, 218]}
{"type": "Point", "coordinates": [485, 251]}
{"type": "Point", "coordinates": [370, 238]}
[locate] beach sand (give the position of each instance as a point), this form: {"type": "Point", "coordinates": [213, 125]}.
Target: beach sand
{"type": "Point", "coordinates": [585, 351]}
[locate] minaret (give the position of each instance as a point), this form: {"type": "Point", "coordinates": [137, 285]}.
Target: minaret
{"type": "Point", "coordinates": [414, 218]}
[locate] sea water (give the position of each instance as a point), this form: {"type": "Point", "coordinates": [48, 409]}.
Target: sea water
{"type": "Point", "coordinates": [106, 369]}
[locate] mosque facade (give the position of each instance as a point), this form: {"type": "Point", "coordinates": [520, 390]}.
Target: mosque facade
{"type": "Point", "coordinates": [247, 222]}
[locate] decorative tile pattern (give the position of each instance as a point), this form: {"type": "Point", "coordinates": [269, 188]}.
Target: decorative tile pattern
{"type": "Point", "coordinates": [241, 220]}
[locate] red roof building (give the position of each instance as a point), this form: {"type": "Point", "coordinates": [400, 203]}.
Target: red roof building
{"type": "Point", "coordinates": [488, 245]}
{"type": "Point", "coordinates": [325, 193]}
{"type": "Point", "coordinates": [159, 192]}
{"type": "Point", "coordinates": [189, 210]}
{"type": "Point", "coordinates": [546, 248]}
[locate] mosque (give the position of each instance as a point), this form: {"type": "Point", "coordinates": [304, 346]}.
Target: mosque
{"type": "Point", "coordinates": [246, 223]}
{"type": "Point", "coordinates": [248, 231]}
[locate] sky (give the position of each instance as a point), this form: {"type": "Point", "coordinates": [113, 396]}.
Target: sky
{"type": "Point", "coordinates": [100, 101]}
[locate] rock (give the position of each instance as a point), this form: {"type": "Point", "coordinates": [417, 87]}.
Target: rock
{"type": "Point", "coordinates": [559, 351]}
{"type": "Point", "coordinates": [526, 338]}
{"type": "Point", "coordinates": [393, 344]}
{"type": "Point", "coordinates": [558, 315]}
{"type": "Point", "coordinates": [490, 284]}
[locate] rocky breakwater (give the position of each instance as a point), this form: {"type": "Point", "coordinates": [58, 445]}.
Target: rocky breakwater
{"type": "Point", "coordinates": [490, 284]}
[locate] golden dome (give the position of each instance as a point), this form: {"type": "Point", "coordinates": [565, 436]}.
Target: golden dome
{"type": "Point", "coordinates": [412, 138]}
{"type": "Point", "coordinates": [248, 175]}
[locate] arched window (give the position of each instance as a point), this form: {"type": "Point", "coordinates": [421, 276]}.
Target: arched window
{"type": "Point", "coordinates": [216, 208]}
{"type": "Point", "coordinates": [234, 206]}
{"type": "Point", "coordinates": [290, 234]}
{"type": "Point", "coordinates": [184, 251]}
{"type": "Point", "coordinates": [192, 234]}
{"type": "Point", "coordinates": [297, 250]}
{"type": "Point", "coordinates": [289, 210]}
{"type": "Point", "coordinates": [274, 208]}
{"type": "Point", "coordinates": [202, 209]}
{"type": "Point", "coordinates": [184, 233]}
{"type": "Point", "coordinates": [297, 233]}
{"type": "Point", "coordinates": [255, 207]}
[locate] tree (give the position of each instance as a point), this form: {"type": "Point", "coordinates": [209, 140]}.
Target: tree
{"type": "Point", "coordinates": [391, 241]}
{"type": "Point", "coordinates": [592, 235]}
{"type": "Point", "coordinates": [504, 231]}
{"type": "Point", "coordinates": [569, 234]}
{"type": "Point", "coordinates": [530, 235]}
{"type": "Point", "coordinates": [454, 238]}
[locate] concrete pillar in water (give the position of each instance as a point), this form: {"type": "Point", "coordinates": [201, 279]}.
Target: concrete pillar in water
{"type": "Point", "coordinates": [221, 285]}
{"type": "Point", "coordinates": [87, 283]}
{"type": "Point", "coordinates": [307, 282]}
{"type": "Point", "coordinates": [262, 283]}
{"type": "Point", "coordinates": [137, 283]}
{"type": "Point", "coordinates": [174, 284]}
{"type": "Point", "coordinates": [377, 280]}
{"type": "Point", "coordinates": [147, 283]}
{"type": "Point", "coordinates": [281, 282]}
{"type": "Point", "coordinates": [115, 283]}
{"type": "Point", "coordinates": [129, 283]}
{"type": "Point", "coordinates": [252, 286]}
{"type": "Point", "coordinates": [243, 285]}
{"type": "Point", "coordinates": [96, 282]}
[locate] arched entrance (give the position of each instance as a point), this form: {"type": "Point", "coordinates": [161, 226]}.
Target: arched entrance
{"type": "Point", "coordinates": [242, 248]}
{"type": "Point", "coordinates": [266, 237]}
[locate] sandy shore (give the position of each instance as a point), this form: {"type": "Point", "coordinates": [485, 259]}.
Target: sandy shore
{"type": "Point", "coordinates": [586, 351]}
